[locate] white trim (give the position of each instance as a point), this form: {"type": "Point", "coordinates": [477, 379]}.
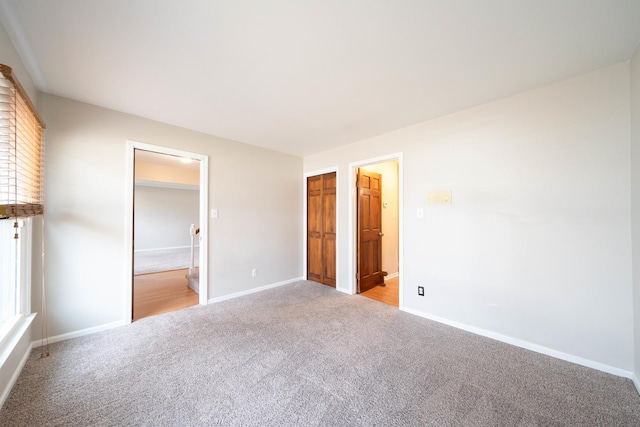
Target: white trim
{"type": "Point", "coordinates": [352, 221]}
{"type": "Point", "coordinates": [162, 184]}
{"type": "Point", "coordinates": [204, 220]}
{"type": "Point", "coordinates": [6, 331]}
{"type": "Point", "coordinates": [636, 382]}
{"type": "Point", "coordinates": [26, 243]}
{"type": "Point", "coordinates": [127, 309]}
{"type": "Point", "coordinates": [254, 290]}
{"type": "Point", "coordinates": [203, 255]}
{"type": "Point", "coordinates": [16, 375]}
{"type": "Point", "coordinates": [13, 337]}
{"type": "Point", "coordinates": [345, 290]}
{"type": "Point", "coordinates": [527, 345]}
{"type": "Point", "coordinates": [163, 249]}
{"type": "Point", "coordinates": [304, 218]}
{"type": "Point", "coordinates": [392, 275]}
{"type": "Point", "coordinates": [81, 333]}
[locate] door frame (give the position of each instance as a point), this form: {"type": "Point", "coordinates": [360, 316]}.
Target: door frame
{"type": "Point", "coordinates": [304, 220]}
{"type": "Point", "coordinates": [353, 221]}
{"type": "Point", "coordinates": [128, 229]}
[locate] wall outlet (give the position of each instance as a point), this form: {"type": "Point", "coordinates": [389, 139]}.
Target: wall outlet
{"type": "Point", "coordinates": [254, 272]}
{"type": "Point", "coordinates": [421, 291]}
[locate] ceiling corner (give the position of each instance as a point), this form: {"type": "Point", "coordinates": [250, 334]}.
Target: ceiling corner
{"type": "Point", "coordinates": [16, 34]}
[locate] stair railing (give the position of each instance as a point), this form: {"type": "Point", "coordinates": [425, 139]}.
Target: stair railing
{"type": "Point", "coordinates": [193, 231]}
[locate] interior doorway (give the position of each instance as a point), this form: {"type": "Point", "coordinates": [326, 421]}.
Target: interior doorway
{"type": "Point", "coordinates": [376, 228]}
{"type": "Point", "coordinates": [166, 229]}
{"type": "Point", "coordinates": [165, 244]}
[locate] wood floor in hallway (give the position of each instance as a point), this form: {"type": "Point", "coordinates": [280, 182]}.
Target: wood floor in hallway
{"type": "Point", "coordinates": [163, 292]}
{"type": "Point", "coordinates": [389, 294]}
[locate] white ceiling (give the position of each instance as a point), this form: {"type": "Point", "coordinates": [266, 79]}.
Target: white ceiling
{"type": "Point", "coordinates": [304, 76]}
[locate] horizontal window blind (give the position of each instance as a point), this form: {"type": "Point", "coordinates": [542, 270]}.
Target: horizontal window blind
{"type": "Point", "coordinates": [21, 151]}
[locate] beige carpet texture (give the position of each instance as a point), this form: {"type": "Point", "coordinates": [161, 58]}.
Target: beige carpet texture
{"type": "Point", "coordinates": [306, 355]}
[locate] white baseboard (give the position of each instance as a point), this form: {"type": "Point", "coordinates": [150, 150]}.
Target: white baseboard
{"type": "Point", "coordinates": [254, 290]}
{"type": "Point", "coordinates": [636, 382]}
{"type": "Point", "coordinates": [9, 345]}
{"type": "Point", "coordinates": [344, 290]}
{"type": "Point", "coordinates": [16, 374]}
{"type": "Point", "coordinates": [171, 248]}
{"type": "Point", "coordinates": [392, 275]}
{"type": "Point", "coordinates": [528, 345]}
{"type": "Point", "coordinates": [80, 333]}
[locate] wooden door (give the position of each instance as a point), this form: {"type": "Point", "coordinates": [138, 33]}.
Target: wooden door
{"type": "Point", "coordinates": [321, 229]}
{"type": "Point", "coordinates": [369, 230]}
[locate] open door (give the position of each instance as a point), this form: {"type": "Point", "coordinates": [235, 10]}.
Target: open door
{"type": "Point", "coordinates": [369, 230]}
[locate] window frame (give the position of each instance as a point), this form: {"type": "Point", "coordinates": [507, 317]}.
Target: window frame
{"type": "Point", "coordinates": [23, 316]}
{"type": "Point", "coordinates": [23, 163]}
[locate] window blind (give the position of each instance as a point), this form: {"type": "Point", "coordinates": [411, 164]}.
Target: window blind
{"type": "Point", "coordinates": [21, 151]}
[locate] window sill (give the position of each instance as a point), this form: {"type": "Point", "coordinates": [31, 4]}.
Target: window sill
{"type": "Point", "coordinates": [13, 336]}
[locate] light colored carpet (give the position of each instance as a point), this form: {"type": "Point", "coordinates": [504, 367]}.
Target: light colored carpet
{"type": "Point", "coordinates": [307, 355]}
{"type": "Point", "coordinates": [162, 260]}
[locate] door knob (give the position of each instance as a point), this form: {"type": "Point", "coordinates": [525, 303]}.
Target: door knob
{"type": "Point", "coordinates": [381, 234]}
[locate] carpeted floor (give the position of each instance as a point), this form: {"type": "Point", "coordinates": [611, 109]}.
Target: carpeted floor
{"type": "Point", "coordinates": [163, 260]}
{"type": "Point", "coordinates": [305, 354]}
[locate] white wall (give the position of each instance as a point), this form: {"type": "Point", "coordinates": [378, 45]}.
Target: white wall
{"type": "Point", "coordinates": [635, 201]}
{"type": "Point", "coordinates": [389, 172]}
{"type": "Point", "coordinates": [163, 217]}
{"type": "Point", "coordinates": [257, 192]}
{"type": "Point", "coordinates": [536, 245]}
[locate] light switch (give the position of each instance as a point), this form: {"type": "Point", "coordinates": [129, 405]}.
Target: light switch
{"type": "Point", "coordinates": [420, 213]}
{"type": "Point", "coordinates": [214, 213]}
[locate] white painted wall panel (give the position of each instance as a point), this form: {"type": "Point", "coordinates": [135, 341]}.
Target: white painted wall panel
{"type": "Point", "coordinates": [536, 245]}
{"type": "Point", "coordinates": [257, 192]}
{"type": "Point", "coordinates": [163, 217]}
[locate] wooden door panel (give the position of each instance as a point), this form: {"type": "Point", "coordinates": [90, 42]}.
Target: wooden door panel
{"type": "Point", "coordinates": [314, 184]}
{"type": "Point", "coordinates": [369, 230]}
{"type": "Point", "coordinates": [314, 258]}
{"type": "Point", "coordinates": [321, 229]}
{"type": "Point", "coordinates": [365, 204]}
{"type": "Point", "coordinates": [329, 252]}
{"type": "Point", "coordinates": [329, 213]}
{"type": "Point", "coordinates": [375, 216]}
{"type": "Point", "coordinates": [329, 182]}
{"type": "Point", "coordinates": [314, 220]}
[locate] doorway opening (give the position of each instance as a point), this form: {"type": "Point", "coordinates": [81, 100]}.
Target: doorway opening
{"type": "Point", "coordinates": [376, 224]}
{"type": "Point", "coordinates": [166, 230]}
